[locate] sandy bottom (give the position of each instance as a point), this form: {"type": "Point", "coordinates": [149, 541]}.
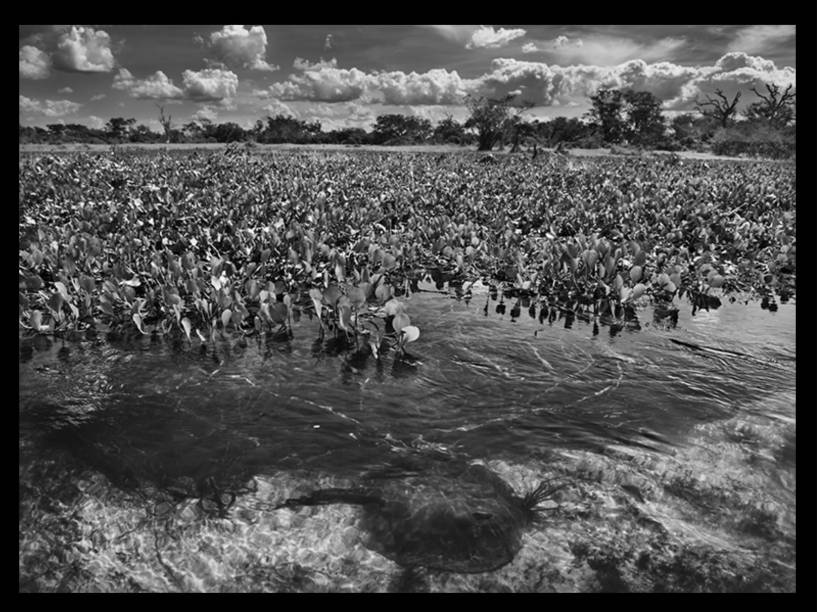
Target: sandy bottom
{"type": "Point", "coordinates": [717, 516]}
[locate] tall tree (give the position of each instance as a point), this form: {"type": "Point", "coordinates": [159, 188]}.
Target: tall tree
{"type": "Point", "coordinates": [165, 121]}
{"type": "Point", "coordinates": [400, 129]}
{"type": "Point", "coordinates": [777, 108]}
{"type": "Point", "coordinates": [119, 127]}
{"type": "Point", "coordinates": [449, 130]}
{"type": "Point", "coordinates": [719, 109]}
{"type": "Point", "coordinates": [491, 119]}
{"type": "Point", "coordinates": [607, 114]}
{"type": "Point", "coordinates": [643, 117]}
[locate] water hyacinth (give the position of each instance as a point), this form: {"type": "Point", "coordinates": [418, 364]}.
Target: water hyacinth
{"type": "Point", "coordinates": [226, 240]}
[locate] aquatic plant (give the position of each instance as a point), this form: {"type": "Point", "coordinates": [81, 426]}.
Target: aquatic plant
{"type": "Point", "coordinates": [234, 243]}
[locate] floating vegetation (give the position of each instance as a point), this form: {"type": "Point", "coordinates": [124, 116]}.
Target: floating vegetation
{"type": "Point", "coordinates": [232, 243]}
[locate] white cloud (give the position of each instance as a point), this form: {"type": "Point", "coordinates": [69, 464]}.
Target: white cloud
{"type": "Point", "coordinates": [437, 86]}
{"type": "Point", "coordinates": [209, 85]}
{"type": "Point", "coordinates": [34, 63]}
{"type": "Point", "coordinates": [303, 64]}
{"type": "Point", "coordinates": [760, 38]}
{"type": "Point", "coordinates": [48, 108]}
{"type": "Point", "coordinates": [65, 90]}
{"type": "Point", "coordinates": [276, 107]}
{"type": "Point", "coordinates": [101, 96]}
{"type": "Point", "coordinates": [242, 48]}
{"type": "Point", "coordinates": [487, 37]}
{"type": "Point", "coordinates": [155, 87]}
{"type": "Point", "coordinates": [206, 112]}
{"type": "Point", "coordinates": [678, 86]}
{"type": "Point", "coordinates": [327, 44]}
{"type": "Point", "coordinates": [454, 33]}
{"type": "Point", "coordinates": [95, 123]}
{"type": "Point", "coordinates": [601, 50]}
{"type": "Point", "coordinates": [529, 48]}
{"type": "Point", "coordinates": [83, 50]}
{"type": "Point", "coordinates": [324, 82]}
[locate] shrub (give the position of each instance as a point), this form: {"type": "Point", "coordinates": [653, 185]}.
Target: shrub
{"type": "Point", "coordinates": [754, 139]}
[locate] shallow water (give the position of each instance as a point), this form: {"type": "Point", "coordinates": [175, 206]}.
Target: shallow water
{"type": "Point", "coordinates": [154, 466]}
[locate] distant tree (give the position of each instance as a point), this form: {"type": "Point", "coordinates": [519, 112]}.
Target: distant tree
{"type": "Point", "coordinates": [449, 131]}
{"type": "Point", "coordinates": [490, 118]}
{"type": "Point", "coordinates": [118, 127]}
{"type": "Point", "coordinates": [606, 114]}
{"type": "Point", "coordinates": [192, 131]}
{"type": "Point", "coordinates": [561, 129]}
{"type": "Point", "coordinates": [398, 129]}
{"type": "Point", "coordinates": [627, 116]}
{"type": "Point", "coordinates": [643, 117]}
{"type": "Point", "coordinates": [719, 109]}
{"type": "Point", "coordinates": [165, 122]}
{"type": "Point", "coordinates": [228, 132]}
{"type": "Point", "coordinates": [353, 136]}
{"type": "Point", "coordinates": [142, 133]}
{"type": "Point", "coordinates": [283, 128]}
{"type": "Point", "coordinates": [776, 108]}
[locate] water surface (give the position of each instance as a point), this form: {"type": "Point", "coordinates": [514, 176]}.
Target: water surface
{"type": "Point", "coordinates": [681, 460]}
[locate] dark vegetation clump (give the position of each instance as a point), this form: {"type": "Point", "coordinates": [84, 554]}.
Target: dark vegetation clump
{"type": "Point", "coordinates": [193, 245]}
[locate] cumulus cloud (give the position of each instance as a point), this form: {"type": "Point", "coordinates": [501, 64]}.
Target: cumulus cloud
{"type": "Point", "coordinates": [48, 108]}
{"type": "Point", "coordinates": [238, 47]}
{"type": "Point", "coordinates": [65, 90]}
{"type": "Point", "coordinates": [83, 50]}
{"type": "Point", "coordinates": [734, 72]}
{"type": "Point", "coordinates": [303, 64]}
{"type": "Point", "coordinates": [209, 85]}
{"type": "Point", "coordinates": [95, 123]}
{"type": "Point", "coordinates": [155, 87]}
{"type": "Point", "coordinates": [325, 82]}
{"type": "Point", "coordinates": [760, 38]}
{"type": "Point", "coordinates": [677, 86]}
{"type": "Point", "coordinates": [206, 113]}
{"type": "Point", "coordinates": [603, 50]}
{"type": "Point", "coordinates": [529, 48]}
{"type": "Point", "coordinates": [276, 107]}
{"type": "Point", "coordinates": [437, 86]}
{"type": "Point", "coordinates": [96, 97]}
{"type": "Point", "coordinates": [34, 63]}
{"type": "Point", "coordinates": [487, 37]}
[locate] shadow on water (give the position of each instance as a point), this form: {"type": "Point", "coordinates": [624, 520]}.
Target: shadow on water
{"type": "Point", "coordinates": [202, 423]}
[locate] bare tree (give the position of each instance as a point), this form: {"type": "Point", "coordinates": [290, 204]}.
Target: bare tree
{"type": "Point", "coordinates": [721, 109]}
{"type": "Point", "coordinates": [776, 108]}
{"type": "Point", "coordinates": [165, 121]}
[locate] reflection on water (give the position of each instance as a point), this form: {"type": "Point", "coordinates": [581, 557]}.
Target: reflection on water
{"type": "Point", "coordinates": [512, 385]}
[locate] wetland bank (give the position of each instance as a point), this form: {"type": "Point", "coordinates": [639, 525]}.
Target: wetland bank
{"type": "Point", "coordinates": [207, 335]}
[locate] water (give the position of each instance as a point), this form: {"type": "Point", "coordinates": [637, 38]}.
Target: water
{"type": "Point", "coordinates": [667, 449]}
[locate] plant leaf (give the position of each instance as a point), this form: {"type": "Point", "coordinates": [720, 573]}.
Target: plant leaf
{"type": "Point", "coordinates": [137, 318]}
{"type": "Point", "coordinates": [187, 326]}
{"type": "Point", "coordinates": [400, 321]}
{"type": "Point", "coordinates": [410, 333]}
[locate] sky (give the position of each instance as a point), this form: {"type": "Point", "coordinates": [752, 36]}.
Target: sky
{"type": "Point", "coordinates": [345, 76]}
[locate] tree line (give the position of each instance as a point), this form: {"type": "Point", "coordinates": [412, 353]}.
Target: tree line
{"type": "Point", "coordinates": [617, 117]}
